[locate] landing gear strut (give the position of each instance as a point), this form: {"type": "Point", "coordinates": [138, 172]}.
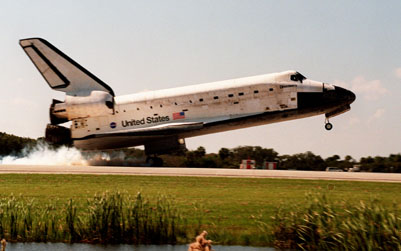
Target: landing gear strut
{"type": "Point", "coordinates": [154, 161]}
{"type": "Point", "coordinates": [328, 125]}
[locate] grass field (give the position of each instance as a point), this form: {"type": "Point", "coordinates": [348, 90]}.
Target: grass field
{"type": "Point", "coordinates": [226, 205]}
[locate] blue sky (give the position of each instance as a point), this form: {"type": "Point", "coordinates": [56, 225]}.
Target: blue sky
{"type": "Point", "coordinates": [148, 45]}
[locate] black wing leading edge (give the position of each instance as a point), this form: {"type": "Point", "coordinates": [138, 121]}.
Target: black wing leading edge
{"type": "Point", "coordinates": [60, 71]}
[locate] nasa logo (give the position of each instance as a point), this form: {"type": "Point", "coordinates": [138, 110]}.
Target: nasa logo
{"type": "Point", "coordinates": [113, 125]}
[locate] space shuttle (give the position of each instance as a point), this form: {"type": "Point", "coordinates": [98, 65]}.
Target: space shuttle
{"type": "Point", "coordinates": [161, 120]}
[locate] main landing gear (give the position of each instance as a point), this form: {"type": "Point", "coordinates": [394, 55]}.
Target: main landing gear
{"type": "Point", "coordinates": [154, 161]}
{"type": "Point", "coordinates": [328, 125]}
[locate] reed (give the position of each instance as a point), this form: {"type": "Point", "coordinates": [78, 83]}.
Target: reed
{"type": "Point", "coordinates": [119, 217]}
{"type": "Point", "coordinates": [324, 225]}
{"type": "Point", "coordinates": [106, 218]}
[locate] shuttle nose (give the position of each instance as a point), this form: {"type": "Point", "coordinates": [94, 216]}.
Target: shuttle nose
{"type": "Point", "coordinates": [344, 94]}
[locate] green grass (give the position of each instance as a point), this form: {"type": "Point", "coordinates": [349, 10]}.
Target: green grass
{"type": "Point", "coordinates": [107, 218]}
{"type": "Point", "coordinates": [326, 225]}
{"type": "Point", "coordinates": [226, 206]}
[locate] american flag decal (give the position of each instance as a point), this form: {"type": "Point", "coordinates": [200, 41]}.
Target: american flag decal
{"type": "Point", "coordinates": [178, 115]}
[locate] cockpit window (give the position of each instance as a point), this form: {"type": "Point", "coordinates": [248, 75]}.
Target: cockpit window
{"type": "Point", "coordinates": [297, 77]}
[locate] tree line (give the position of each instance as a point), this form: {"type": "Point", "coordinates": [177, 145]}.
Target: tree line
{"type": "Point", "coordinates": [13, 145]}
{"type": "Point", "coordinates": [231, 158]}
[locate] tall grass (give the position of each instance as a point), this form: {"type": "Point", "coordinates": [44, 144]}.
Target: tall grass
{"type": "Point", "coordinates": [324, 225]}
{"type": "Point", "coordinates": [105, 218]}
{"type": "Point", "coordinates": [318, 224]}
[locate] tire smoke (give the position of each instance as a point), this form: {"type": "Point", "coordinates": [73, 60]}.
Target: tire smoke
{"type": "Point", "coordinates": [44, 154]}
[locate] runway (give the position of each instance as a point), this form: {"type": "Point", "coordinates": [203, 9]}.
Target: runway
{"type": "Point", "coordinates": [201, 172]}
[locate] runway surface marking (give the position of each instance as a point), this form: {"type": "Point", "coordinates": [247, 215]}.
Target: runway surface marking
{"type": "Point", "coordinates": [201, 172]}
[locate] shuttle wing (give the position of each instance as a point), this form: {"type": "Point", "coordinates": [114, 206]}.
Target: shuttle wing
{"type": "Point", "coordinates": [61, 72]}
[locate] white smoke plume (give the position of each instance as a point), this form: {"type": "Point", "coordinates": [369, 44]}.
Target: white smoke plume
{"type": "Point", "coordinates": [43, 154]}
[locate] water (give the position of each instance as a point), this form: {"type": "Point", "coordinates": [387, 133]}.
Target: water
{"type": "Point", "coordinates": [89, 247]}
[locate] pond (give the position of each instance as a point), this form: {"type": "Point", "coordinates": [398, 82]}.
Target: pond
{"type": "Point", "coordinates": [90, 247]}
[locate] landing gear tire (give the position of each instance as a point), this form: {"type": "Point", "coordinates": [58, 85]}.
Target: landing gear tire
{"type": "Point", "coordinates": [328, 126]}
{"type": "Point", "coordinates": [154, 161]}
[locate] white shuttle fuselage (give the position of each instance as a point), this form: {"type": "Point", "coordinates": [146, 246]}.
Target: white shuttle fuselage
{"type": "Point", "coordinates": [196, 105]}
{"type": "Point", "coordinates": [162, 119]}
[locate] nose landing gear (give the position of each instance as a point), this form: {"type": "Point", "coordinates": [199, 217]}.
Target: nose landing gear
{"type": "Point", "coordinates": [328, 125]}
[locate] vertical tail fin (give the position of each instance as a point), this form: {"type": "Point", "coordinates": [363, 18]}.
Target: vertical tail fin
{"type": "Point", "coordinates": [61, 72]}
